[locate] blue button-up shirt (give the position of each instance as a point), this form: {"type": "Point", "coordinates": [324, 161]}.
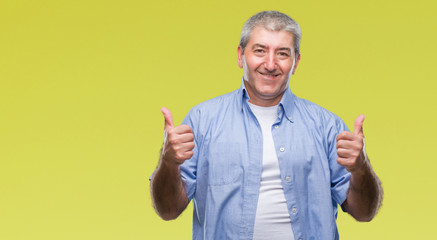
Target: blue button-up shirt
{"type": "Point", "coordinates": [223, 176]}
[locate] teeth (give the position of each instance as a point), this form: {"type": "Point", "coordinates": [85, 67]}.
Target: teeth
{"type": "Point", "coordinates": [269, 75]}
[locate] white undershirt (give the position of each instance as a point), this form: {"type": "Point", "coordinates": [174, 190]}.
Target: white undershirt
{"type": "Point", "coordinates": [272, 220]}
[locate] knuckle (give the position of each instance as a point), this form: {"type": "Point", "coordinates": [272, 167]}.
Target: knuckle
{"type": "Point", "coordinates": [176, 148]}
{"type": "Point", "coordinates": [179, 156]}
{"type": "Point", "coordinates": [189, 129]}
{"type": "Point", "coordinates": [191, 137]}
{"type": "Point", "coordinates": [355, 154]}
{"type": "Point", "coordinates": [342, 134]}
{"type": "Point", "coordinates": [173, 141]}
{"type": "Point", "coordinates": [170, 132]}
{"type": "Point", "coordinates": [185, 128]}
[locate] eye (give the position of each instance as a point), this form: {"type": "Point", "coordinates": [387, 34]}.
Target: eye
{"type": "Point", "coordinates": [284, 54]}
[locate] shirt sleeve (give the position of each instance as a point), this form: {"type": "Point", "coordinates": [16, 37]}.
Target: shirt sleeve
{"type": "Point", "coordinates": [340, 177]}
{"type": "Point", "coordinates": [189, 167]}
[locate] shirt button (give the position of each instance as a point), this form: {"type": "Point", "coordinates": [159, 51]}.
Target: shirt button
{"type": "Point", "coordinates": [294, 210]}
{"type": "Point", "coordinates": [276, 126]}
{"type": "Point", "coordinates": [282, 149]}
{"type": "Point", "coordinates": [287, 179]}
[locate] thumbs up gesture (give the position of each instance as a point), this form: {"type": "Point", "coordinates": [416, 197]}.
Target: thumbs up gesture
{"type": "Point", "coordinates": [350, 147]}
{"type": "Point", "coordinates": [178, 141]}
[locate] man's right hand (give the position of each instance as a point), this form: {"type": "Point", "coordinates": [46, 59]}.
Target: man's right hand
{"type": "Point", "coordinates": [178, 141]}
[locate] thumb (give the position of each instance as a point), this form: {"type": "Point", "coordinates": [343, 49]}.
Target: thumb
{"type": "Point", "coordinates": [359, 124]}
{"type": "Point", "coordinates": [168, 118]}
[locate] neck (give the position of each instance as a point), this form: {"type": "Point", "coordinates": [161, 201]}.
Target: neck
{"type": "Point", "coordinates": [263, 101]}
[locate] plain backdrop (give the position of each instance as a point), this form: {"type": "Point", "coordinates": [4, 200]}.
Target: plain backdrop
{"type": "Point", "coordinates": [82, 83]}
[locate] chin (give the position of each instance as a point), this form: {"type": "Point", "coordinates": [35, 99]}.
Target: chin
{"type": "Point", "coordinates": [267, 91]}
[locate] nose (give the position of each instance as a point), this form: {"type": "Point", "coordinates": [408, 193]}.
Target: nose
{"type": "Point", "coordinates": [270, 62]}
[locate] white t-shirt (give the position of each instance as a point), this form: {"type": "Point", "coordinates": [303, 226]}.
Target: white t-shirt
{"type": "Point", "coordinates": [272, 220]}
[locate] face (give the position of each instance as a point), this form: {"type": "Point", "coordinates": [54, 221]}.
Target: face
{"type": "Point", "coordinates": [268, 62]}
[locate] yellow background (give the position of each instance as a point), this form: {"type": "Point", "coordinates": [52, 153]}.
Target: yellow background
{"type": "Point", "coordinates": [82, 83]}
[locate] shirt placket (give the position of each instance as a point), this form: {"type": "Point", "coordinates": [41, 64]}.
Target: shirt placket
{"type": "Point", "coordinates": [252, 174]}
{"type": "Point", "coordinates": [281, 133]}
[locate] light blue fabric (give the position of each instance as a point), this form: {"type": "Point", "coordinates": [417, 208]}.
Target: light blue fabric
{"type": "Point", "coordinates": [223, 176]}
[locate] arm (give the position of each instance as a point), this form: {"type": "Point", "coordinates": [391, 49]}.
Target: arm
{"type": "Point", "coordinates": [167, 191]}
{"type": "Point", "coordinates": [166, 187]}
{"type": "Point", "coordinates": [365, 192]}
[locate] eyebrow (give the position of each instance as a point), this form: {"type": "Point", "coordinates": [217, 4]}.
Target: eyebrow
{"type": "Point", "coordinates": [285, 48]}
{"type": "Point", "coordinates": [257, 45]}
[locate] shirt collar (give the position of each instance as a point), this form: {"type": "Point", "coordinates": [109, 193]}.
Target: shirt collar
{"type": "Point", "coordinates": [286, 104]}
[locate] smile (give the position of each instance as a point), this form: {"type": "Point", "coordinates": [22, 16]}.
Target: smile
{"type": "Point", "coordinates": [269, 75]}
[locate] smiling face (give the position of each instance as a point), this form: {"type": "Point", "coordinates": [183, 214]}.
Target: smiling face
{"type": "Point", "coordinates": [268, 63]}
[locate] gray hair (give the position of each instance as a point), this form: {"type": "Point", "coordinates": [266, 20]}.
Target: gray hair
{"type": "Point", "coordinates": [272, 21]}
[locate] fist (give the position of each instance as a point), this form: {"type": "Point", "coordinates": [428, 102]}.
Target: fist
{"type": "Point", "coordinates": [350, 147]}
{"type": "Point", "coordinates": [178, 141]}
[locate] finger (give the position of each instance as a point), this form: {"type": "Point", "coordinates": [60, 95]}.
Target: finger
{"type": "Point", "coordinates": [347, 153]}
{"type": "Point", "coordinates": [186, 147]}
{"type": "Point", "coordinates": [359, 124]}
{"type": "Point", "coordinates": [342, 161]}
{"type": "Point", "coordinates": [186, 137]}
{"type": "Point", "coordinates": [345, 162]}
{"type": "Point", "coordinates": [346, 136]}
{"type": "Point", "coordinates": [346, 144]}
{"type": "Point", "coordinates": [183, 155]}
{"type": "Point", "coordinates": [168, 118]}
{"type": "Point", "coordinates": [186, 155]}
{"type": "Point", "coordinates": [181, 129]}
{"type": "Point", "coordinates": [189, 154]}
{"type": "Point", "coordinates": [175, 139]}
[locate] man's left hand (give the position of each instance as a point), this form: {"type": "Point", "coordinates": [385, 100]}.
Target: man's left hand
{"type": "Point", "coordinates": [350, 147]}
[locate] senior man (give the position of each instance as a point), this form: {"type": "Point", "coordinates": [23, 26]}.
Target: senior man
{"type": "Point", "coordinates": [259, 162]}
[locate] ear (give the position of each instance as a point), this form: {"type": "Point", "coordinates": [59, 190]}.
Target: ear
{"type": "Point", "coordinates": [240, 56]}
{"type": "Point", "coordinates": [296, 63]}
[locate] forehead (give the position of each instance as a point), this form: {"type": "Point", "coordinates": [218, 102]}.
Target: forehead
{"type": "Point", "coordinates": [272, 39]}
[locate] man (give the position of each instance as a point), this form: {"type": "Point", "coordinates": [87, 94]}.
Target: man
{"type": "Point", "coordinates": [259, 162]}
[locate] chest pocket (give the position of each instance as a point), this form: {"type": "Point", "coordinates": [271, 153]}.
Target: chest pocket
{"type": "Point", "coordinates": [224, 163]}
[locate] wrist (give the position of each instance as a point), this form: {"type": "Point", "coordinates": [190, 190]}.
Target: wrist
{"type": "Point", "coordinates": [168, 163]}
{"type": "Point", "coordinates": [363, 166]}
